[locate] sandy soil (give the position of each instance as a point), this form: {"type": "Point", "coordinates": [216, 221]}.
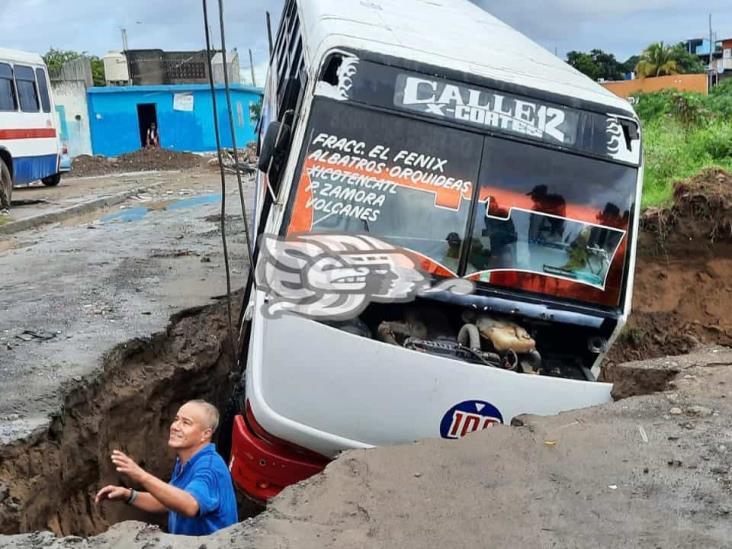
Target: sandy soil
{"type": "Point", "coordinates": [649, 471]}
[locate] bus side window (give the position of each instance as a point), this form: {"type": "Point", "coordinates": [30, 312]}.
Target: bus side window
{"type": "Point", "coordinates": [25, 81]}
{"type": "Point", "coordinates": [291, 79]}
{"type": "Point", "coordinates": [288, 58]}
{"type": "Point", "coordinates": [8, 101]}
{"type": "Point", "coordinates": [43, 88]}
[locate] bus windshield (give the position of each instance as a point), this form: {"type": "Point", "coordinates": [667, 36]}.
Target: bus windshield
{"type": "Point", "coordinates": [497, 211]}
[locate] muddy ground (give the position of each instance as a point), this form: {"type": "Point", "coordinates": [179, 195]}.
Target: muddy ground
{"type": "Point", "coordinates": [646, 471]}
{"type": "Point", "coordinates": [127, 405]}
{"type": "Point", "coordinates": [683, 281]}
{"type": "Point", "coordinates": [146, 187]}
{"type": "Point", "coordinates": [109, 321]}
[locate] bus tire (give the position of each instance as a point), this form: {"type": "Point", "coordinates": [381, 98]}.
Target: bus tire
{"type": "Point", "coordinates": [52, 180]}
{"type": "Point", "coordinates": [6, 186]}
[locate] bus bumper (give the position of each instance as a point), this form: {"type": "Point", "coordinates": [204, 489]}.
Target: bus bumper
{"type": "Point", "coordinates": [262, 468]}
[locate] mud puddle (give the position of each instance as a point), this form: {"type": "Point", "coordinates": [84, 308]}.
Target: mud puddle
{"type": "Point", "coordinates": [138, 212]}
{"type": "Point", "coordinates": [47, 482]}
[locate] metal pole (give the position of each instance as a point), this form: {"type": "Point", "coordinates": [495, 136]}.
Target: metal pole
{"type": "Point", "coordinates": [124, 39]}
{"type": "Point", "coordinates": [269, 34]}
{"type": "Point", "coordinates": [251, 67]}
{"type": "Point", "coordinates": [711, 55]}
{"type": "Point", "coordinates": [711, 43]}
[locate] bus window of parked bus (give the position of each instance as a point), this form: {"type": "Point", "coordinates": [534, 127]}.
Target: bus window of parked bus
{"type": "Point", "coordinates": [43, 88]}
{"type": "Point", "coordinates": [8, 101]}
{"type": "Point", "coordinates": [25, 80]}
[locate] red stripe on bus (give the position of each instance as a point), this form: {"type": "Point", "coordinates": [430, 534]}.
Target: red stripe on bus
{"type": "Point", "coordinates": [27, 133]}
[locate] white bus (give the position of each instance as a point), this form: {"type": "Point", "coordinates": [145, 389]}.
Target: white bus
{"type": "Point", "coordinates": [29, 143]}
{"type": "Point", "coordinates": [404, 141]}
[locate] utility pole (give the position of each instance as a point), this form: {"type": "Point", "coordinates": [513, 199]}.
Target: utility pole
{"type": "Point", "coordinates": [251, 67]}
{"type": "Point", "coordinates": [269, 34]}
{"type": "Point", "coordinates": [711, 54]}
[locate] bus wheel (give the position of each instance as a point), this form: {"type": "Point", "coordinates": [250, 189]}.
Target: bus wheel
{"type": "Point", "coordinates": [6, 186]}
{"type": "Point", "coordinates": [52, 180]}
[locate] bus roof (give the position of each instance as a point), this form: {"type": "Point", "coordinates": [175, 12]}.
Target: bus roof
{"type": "Point", "coordinates": [18, 56]}
{"type": "Point", "coordinates": [447, 33]}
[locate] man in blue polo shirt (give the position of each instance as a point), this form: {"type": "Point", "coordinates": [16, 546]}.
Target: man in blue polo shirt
{"type": "Point", "coordinates": [200, 496]}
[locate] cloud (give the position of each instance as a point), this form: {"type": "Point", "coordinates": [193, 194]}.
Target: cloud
{"type": "Point", "coordinates": [95, 26]}
{"type": "Point", "coordinates": [623, 27]}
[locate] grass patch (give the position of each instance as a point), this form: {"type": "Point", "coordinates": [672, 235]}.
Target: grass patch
{"type": "Point", "coordinates": [683, 134]}
{"type": "Point", "coordinates": [674, 152]}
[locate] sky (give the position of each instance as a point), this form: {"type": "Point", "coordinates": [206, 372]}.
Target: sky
{"type": "Point", "coordinates": [621, 27]}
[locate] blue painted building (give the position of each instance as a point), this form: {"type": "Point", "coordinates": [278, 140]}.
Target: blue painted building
{"type": "Point", "coordinates": [120, 116]}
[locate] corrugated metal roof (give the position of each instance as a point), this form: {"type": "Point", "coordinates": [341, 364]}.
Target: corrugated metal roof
{"type": "Point", "coordinates": [448, 33]}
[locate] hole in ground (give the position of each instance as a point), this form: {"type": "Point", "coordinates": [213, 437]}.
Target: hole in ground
{"type": "Point", "coordinates": [49, 481]}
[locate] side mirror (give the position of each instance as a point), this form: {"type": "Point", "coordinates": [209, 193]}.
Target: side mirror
{"type": "Point", "coordinates": [274, 142]}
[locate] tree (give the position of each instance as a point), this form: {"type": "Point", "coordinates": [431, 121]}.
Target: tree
{"type": "Point", "coordinates": [596, 64]}
{"type": "Point", "coordinates": [610, 68]}
{"type": "Point", "coordinates": [630, 63]}
{"type": "Point", "coordinates": [658, 59]}
{"type": "Point", "coordinates": [55, 59]}
{"type": "Point", "coordinates": [584, 63]}
{"type": "Point", "coordinates": [97, 68]}
{"type": "Point", "coordinates": [255, 111]}
{"type": "Point", "coordinates": [687, 63]}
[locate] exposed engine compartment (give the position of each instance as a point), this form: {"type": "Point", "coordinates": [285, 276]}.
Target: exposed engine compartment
{"type": "Point", "coordinates": [510, 342]}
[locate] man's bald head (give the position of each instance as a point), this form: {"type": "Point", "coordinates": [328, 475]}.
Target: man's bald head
{"type": "Point", "coordinates": [193, 426]}
{"type": "Point", "coordinates": [210, 413]}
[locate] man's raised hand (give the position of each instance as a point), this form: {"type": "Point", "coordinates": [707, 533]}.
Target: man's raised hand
{"type": "Point", "coordinates": [126, 465]}
{"type": "Point", "coordinates": [112, 493]}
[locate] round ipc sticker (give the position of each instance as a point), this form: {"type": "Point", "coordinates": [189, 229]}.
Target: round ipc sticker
{"type": "Point", "coordinates": [467, 417]}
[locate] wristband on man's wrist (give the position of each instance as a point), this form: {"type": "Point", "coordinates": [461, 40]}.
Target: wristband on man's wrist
{"type": "Point", "coordinates": [133, 496]}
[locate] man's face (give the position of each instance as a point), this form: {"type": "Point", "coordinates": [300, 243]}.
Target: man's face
{"type": "Point", "coordinates": [189, 428]}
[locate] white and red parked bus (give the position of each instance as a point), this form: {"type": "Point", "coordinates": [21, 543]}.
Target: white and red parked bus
{"type": "Point", "coordinates": [434, 130]}
{"type": "Point", "coordinates": [29, 145]}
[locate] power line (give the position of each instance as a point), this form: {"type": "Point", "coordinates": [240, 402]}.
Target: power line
{"type": "Point", "coordinates": [223, 183]}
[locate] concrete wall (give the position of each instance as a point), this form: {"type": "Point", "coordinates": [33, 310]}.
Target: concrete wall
{"type": "Point", "coordinates": [114, 121]}
{"type": "Point", "coordinates": [681, 82]}
{"type": "Point", "coordinates": [217, 64]}
{"type": "Point", "coordinates": [73, 115]}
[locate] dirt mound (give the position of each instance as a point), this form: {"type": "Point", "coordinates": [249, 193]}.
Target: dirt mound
{"type": "Point", "coordinates": [701, 209]}
{"type": "Point", "coordinates": [142, 160]}
{"type": "Point", "coordinates": [683, 283]}
{"type": "Point", "coordinates": [85, 165]}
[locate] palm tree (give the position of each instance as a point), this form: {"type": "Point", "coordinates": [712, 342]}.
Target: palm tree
{"type": "Point", "coordinates": [657, 60]}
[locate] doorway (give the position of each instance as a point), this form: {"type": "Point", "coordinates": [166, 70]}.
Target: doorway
{"type": "Point", "coordinates": [146, 115]}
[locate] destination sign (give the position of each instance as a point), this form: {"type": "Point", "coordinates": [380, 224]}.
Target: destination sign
{"type": "Point", "coordinates": [489, 109]}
